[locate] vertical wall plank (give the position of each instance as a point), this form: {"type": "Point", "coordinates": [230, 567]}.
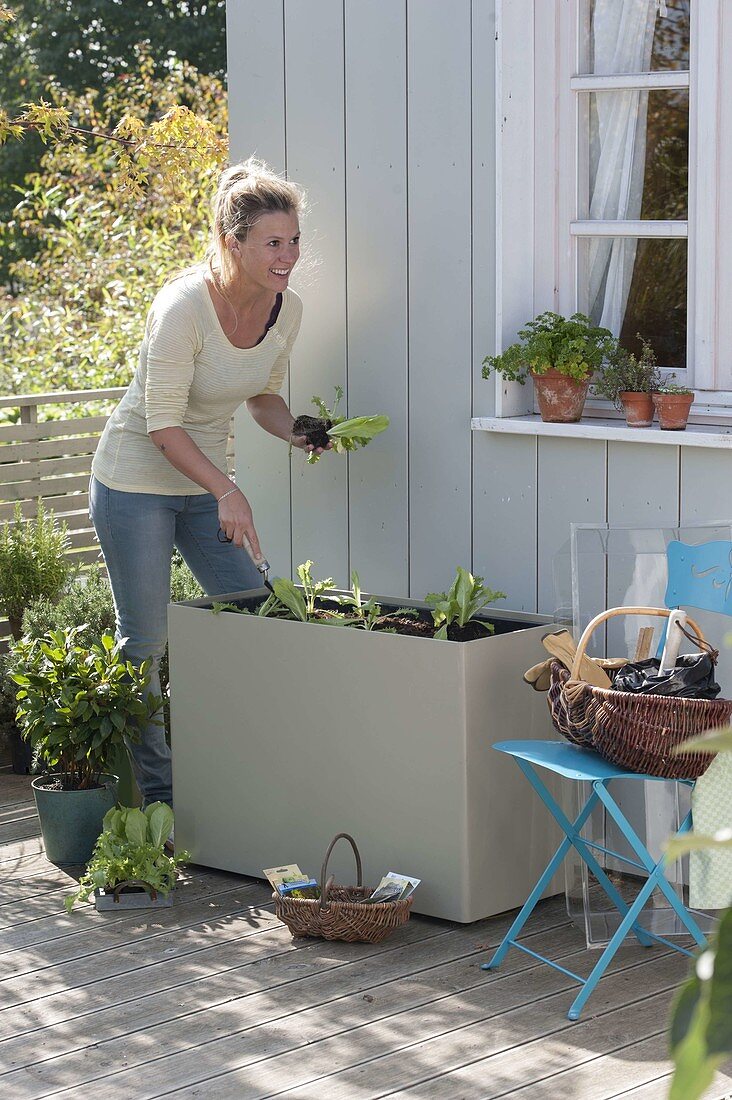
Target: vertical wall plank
{"type": "Point", "coordinates": [314, 83]}
{"type": "Point", "coordinates": [256, 68]}
{"type": "Point", "coordinates": [505, 516]}
{"type": "Point", "coordinates": [643, 491]}
{"type": "Point", "coordinates": [706, 486]}
{"type": "Point", "coordinates": [376, 188]}
{"type": "Point", "coordinates": [439, 152]}
{"type": "Point", "coordinates": [571, 489]}
{"type": "Point", "coordinates": [484, 200]}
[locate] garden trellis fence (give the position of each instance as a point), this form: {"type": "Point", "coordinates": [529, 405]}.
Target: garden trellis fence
{"type": "Point", "coordinates": [46, 454]}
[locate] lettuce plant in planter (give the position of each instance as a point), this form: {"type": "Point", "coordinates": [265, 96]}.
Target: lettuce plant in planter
{"type": "Point", "coordinates": [375, 727]}
{"type": "Point", "coordinates": [560, 354]}
{"type": "Point", "coordinates": [129, 867]}
{"type": "Point", "coordinates": [76, 704]}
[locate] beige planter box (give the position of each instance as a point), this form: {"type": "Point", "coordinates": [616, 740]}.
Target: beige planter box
{"type": "Point", "coordinates": [285, 733]}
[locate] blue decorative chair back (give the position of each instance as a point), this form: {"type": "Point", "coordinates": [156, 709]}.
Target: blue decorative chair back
{"type": "Point", "coordinates": [700, 576]}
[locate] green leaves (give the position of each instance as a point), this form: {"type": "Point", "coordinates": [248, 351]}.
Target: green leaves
{"type": "Point", "coordinates": [288, 594]}
{"type": "Point", "coordinates": [131, 846]}
{"type": "Point", "coordinates": [33, 560]}
{"type": "Point", "coordinates": [573, 346]}
{"type": "Point", "coordinates": [466, 597]}
{"type": "Point", "coordinates": [78, 702]}
{"type": "Point", "coordinates": [347, 435]}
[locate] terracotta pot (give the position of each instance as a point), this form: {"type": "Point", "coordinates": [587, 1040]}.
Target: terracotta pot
{"type": "Point", "coordinates": [638, 408]}
{"type": "Point", "coordinates": [561, 399]}
{"type": "Point", "coordinates": [673, 410]}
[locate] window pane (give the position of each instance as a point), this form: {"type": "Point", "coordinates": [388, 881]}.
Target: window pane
{"type": "Point", "coordinates": [638, 154]}
{"type": "Point", "coordinates": [637, 286]}
{"type": "Point", "coordinates": [634, 36]}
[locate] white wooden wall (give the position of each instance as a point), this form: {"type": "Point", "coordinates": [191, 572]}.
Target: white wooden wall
{"type": "Point", "coordinates": [384, 111]}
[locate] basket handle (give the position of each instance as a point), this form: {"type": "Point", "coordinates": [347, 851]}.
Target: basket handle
{"type": "Point", "coordinates": [589, 630]}
{"type": "Point", "coordinates": [327, 883]}
{"type": "Point", "coordinates": [135, 882]}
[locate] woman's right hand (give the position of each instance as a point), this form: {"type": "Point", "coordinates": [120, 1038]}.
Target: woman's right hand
{"type": "Point", "coordinates": [237, 522]}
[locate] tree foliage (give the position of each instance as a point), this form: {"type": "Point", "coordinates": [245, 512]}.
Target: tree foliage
{"type": "Point", "coordinates": [120, 202]}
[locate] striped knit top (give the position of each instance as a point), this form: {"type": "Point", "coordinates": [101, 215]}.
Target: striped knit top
{"type": "Point", "coordinates": [191, 376]}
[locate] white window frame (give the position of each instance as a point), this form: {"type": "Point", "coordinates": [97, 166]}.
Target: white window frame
{"type": "Point", "coordinates": [539, 90]}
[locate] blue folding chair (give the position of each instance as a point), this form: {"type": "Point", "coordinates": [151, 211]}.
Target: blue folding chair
{"type": "Point", "coordinates": [700, 577]}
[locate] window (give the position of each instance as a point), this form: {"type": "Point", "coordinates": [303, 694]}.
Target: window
{"type": "Point", "coordinates": [631, 173]}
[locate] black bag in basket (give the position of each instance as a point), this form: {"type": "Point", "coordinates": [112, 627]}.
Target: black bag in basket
{"type": "Point", "coordinates": [692, 677]}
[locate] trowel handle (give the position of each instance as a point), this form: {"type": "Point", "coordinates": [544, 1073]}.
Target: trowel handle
{"type": "Point", "coordinates": [674, 637]}
{"type": "Point", "coordinates": [261, 562]}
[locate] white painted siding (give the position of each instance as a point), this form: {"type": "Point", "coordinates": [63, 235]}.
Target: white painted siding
{"type": "Point", "coordinates": [384, 111]}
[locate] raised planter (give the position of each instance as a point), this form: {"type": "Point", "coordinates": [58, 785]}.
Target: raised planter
{"type": "Point", "coordinates": [285, 733]}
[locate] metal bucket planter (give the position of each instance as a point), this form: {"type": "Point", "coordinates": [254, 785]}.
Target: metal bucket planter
{"type": "Point", "coordinates": [71, 821]}
{"type": "Point", "coordinates": [285, 733]}
{"type": "Point", "coordinates": [134, 894]}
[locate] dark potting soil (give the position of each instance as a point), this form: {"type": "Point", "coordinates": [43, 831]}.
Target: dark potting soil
{"type": "Point", "coordinates": [57, 784]}
{"type": "Point", "coordinates": [314, 429]}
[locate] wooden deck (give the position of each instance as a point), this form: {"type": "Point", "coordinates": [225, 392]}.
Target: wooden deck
{"type": "Point", "coordinates": [212, 998]}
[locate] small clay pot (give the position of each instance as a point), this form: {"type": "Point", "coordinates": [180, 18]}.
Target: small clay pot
{"type": "Point", "coordinates": [673, 410]}
{"type": "Point", "coordinates": [561, 399]}
{"type": "Point", "coordinates": [638, 408]}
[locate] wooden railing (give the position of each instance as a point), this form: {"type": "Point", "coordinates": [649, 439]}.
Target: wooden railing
{"type": "Point", "coordinates": [51, 460]}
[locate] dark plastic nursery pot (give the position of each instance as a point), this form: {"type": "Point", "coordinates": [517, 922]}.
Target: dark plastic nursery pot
{"type": "Point", "coordinates": [71, 821]}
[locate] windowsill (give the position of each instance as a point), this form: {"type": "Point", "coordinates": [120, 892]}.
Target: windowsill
{"type": "Point", "coordinates": [696, 435]}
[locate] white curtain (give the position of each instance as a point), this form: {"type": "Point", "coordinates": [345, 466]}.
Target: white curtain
{"type": "Point", "coordinates": [622, 38]}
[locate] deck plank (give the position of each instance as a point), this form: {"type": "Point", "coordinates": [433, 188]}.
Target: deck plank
{"type": "Point", "coordinates": [213, 997]}
{"type": "Point", "coordinates": [251, 1009]}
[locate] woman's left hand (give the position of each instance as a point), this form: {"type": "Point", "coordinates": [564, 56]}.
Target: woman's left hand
{"type": "Point", "coordinates": [301, 441]}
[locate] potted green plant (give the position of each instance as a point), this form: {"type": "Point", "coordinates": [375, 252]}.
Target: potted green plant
{"type": "Point", "coordinates": [129, 867]}
{"type": "Point", "coordinates": [76, 704]}
{"type": "Point", "coordinates": [560, 354]}
{"type": "Point", "coordinates": [33, 563]}
{"type": "Point", "coordinates": [629, 381]}
{"type": "Point", "coordinates": [673, 404]}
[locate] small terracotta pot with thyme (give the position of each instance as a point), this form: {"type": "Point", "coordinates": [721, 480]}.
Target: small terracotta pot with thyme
{"type": "Point", "coordinates": [673, 405]}
{"type": "Point", "coordinates": [560, 355]}
{"type": "Point", "coordinates": [629, 381]}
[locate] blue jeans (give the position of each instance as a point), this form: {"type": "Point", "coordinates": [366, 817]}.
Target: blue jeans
{"type": "Point", "coordinates": [137, 533]}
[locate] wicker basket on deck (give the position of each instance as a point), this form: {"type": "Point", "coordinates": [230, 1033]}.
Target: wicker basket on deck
{"type": "Point", "coordinates": [339, 913]}
{"type": "Point", "coordinates": [636, 732]}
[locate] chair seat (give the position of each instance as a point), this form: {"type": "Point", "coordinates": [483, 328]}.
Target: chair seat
{"type": "Point", "coordinates": [572, 761]}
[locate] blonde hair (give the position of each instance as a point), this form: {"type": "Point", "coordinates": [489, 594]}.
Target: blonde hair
{"type": "Point", "coordinates": [246, 191]}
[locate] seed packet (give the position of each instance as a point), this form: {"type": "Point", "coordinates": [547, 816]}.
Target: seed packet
{"type": "Point", "coordinates": [290, 873]}
{"type": "Point", "coordinates": [394, 887]}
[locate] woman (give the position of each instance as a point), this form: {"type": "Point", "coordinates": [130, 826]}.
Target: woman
{"type": "Point", "coordinates": [216, 335]}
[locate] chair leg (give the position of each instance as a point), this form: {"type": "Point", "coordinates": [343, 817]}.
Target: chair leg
{"type": "Point", "coordinates": [571, 832]}
{"type": "Point", "coordinates": [656, 880]}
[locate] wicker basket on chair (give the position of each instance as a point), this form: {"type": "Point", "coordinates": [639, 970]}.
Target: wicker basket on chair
{"type": "Point", "coordinates": [339, 913]}
{"type": "Point", "coordinates": [636, 732]}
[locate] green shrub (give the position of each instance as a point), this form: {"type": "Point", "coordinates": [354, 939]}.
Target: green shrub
{"type": "Point", "coordinates": [33, 562]}
{"type": "Point", "coordinates": [77, 703]}
{"type": "Point", "coordinates": [87, 603]}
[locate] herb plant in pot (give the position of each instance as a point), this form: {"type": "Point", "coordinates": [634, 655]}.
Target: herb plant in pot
{"type": "Point", "coordinates": [33, 562]}
{"type": "Point", "coordinates": [560, 354]}
{"type": "Point", "coordinates": [129, 868]}
{"type": "Point", "coordinates": [77, 704]}
{"type": "Point", "coordinates": [629, 382]}
{"type": "Point", "coordinates": [673, 404]}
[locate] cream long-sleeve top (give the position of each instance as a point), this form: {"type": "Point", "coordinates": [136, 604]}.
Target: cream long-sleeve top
{"type": "Point", "coordinates": [190, 376]}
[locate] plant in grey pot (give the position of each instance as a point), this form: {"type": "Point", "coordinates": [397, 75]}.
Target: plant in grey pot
{"type": "Point", "coordinates": [76, 705]}
{"type": "Point", "coordinates": [560, 354]}
{"type": "Point", "coordinates": [629, 381]}
{"type": "Point", "coordinates": [129, 868]}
